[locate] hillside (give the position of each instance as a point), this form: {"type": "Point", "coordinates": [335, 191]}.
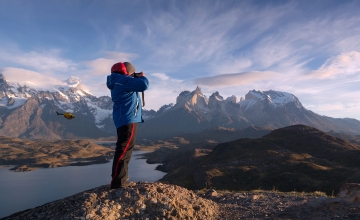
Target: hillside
{"type": "Point", "coordinates": [297, 157]}
{"type": "Point", "coordinates": [176, 151]}
{"type": "Point", "coordinates": [30, 154]}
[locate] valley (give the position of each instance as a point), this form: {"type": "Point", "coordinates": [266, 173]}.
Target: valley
{"type": "Point", "coordinates": [267, 140]}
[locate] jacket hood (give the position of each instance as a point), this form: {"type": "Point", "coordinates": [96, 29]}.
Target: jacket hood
{"type": "Point", "coordinates": [111, 79]}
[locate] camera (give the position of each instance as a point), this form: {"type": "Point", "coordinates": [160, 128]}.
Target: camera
{"type": "Point", "coordinates": [136, 75]}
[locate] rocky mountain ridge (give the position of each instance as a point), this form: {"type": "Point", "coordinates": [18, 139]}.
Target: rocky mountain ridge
{"type": "Point", "coordinates": [30, 113]}
{"type": "Point", "coordinates": [194, 112]}
{"type": "Point", "coordinates": [28, 110]}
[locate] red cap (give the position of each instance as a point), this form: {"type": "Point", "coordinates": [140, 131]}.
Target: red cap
{"type": "Point", "coordinates": [119, 68]}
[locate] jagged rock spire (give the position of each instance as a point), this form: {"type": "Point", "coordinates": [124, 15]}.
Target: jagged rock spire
{"type": "Point", "coordinates": [198, 90]}
{"type": "Point", "coordinates": [195, 99]}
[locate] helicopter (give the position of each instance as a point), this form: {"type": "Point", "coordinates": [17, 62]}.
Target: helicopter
{"type": "Point", "coordinates": [67, 115]}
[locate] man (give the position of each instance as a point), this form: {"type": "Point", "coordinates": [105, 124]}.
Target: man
{"type": "Point", "coordinates": [124, 85]}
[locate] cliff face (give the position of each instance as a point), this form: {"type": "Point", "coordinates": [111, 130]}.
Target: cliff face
{"type": "Point", "coordinates": [26, 121]}
{"type": "Point", "coordinates": [38, 119]}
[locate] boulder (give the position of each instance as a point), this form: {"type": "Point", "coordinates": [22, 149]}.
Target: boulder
{"type": "Point", "coordinates": [350, 192]}
{"type": "Point", "coordinates": [11, 101]}
{"type": "Point", "coordinates": [211, 193]}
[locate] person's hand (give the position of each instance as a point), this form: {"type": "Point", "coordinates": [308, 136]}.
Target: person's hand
{"type": "Point", "coordinates": [141, 74]}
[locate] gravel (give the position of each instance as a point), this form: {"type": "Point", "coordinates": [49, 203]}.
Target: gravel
{"type": "Point", "coordinates": [278, 205]}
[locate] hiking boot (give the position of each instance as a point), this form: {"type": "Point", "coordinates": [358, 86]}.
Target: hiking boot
{"type": "Point", "coordinates": [123, 186]}
{"type": "Point", "coordinates": [127, 184]}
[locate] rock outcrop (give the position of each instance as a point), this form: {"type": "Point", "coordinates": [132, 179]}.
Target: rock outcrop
{"type": "Point", "coordinates": [350, 192]}
{"type": "Point", "coordinates": [141, 201]}
{"type": "Point", "coordinates": [148, 201]}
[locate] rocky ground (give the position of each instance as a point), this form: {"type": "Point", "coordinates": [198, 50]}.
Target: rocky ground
{"type": "Point", "coordinates": [163, 201]}
{"type": "Point", "coordinates": [141, 201]}
{"type": "Point", "coordinates": [277, 205]}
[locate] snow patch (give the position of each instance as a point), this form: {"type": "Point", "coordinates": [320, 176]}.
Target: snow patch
{"type": "Point", "coordinates": [18, 102]}
{"type": "Point", "coordinates": [232, 99]}
{"type": "Point", "coordinates": [80, 93]}
{"type": "Point", "coordinates": [257, 94]}
{"type": "Point", "coordinates": [275, 98]}
{"type": "Point", "coordinates": [218, 98]}
{"type": "Point", "coordinates": [280, 98]}
{"type": "Point", "coordinates": [167, 108]}
{"type": "Point", "coordinates": [64, 105]}
{"type": "Point", "coordinates": [99, 113]}
{"type": "Point", "coordinates": [247, 104]}
{"type": "Point", "coordinates": [100, 126]}
{"type": "Point", "coordinates": [63, 95]}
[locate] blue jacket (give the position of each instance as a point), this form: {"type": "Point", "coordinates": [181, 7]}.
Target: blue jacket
{"type": "Point", "coordinates": [127, 102]}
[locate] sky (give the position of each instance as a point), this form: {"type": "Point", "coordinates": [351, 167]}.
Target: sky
{"type": "Point", "coordinates": [309, 48]}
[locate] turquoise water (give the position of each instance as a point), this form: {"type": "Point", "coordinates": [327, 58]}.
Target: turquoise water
{"type": "Point", "coordinates": [24, 190]}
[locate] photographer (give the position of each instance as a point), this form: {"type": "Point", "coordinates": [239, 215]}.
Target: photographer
{"type": "Point", "coordinates": [124, 85]}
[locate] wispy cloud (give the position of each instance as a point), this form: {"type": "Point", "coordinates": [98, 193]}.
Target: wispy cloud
{"type": "Point", "coordinates": [345, 64]}
{"type": "Point", "coordinates": [49, 60]}
{"type": "Point", "coordinates": [232, 65]}
{"type": "Point", "coordinates": [235, 79]}
{"type": "Point", "coordinates": [102, 66]}
{"type": "Point", "coordinates": [245, 37]}
{"type": "Point", "coordinates": [31, 78]}
{"type": "Point", "coordinates": [299, 47]}
{"type": "Point", "coordinates": [161, 76]}
{"type": "Point", "coordinates": [203, 32]}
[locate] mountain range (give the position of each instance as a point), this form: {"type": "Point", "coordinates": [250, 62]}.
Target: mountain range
{"type": "Point", "coordinates": [194, 112]}
{"type": "Point", "coordinates": [28, 107]}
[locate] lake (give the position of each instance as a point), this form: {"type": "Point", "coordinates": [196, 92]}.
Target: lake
{"type": "Point", "coordinates": [24, 190]}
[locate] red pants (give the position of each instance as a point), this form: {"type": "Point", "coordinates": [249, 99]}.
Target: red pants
{"type": "Point", "coordinates": [126, 136]}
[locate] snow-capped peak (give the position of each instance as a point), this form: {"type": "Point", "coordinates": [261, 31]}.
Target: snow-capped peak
{"type": "Point", "coordinates": [216, 95]}
{"type": "Point", "coordinates": [274, 98]}
{"type": "Point", "coordinates": [20, 77]}
{"type": "Point", "coordinates": [232, 99]}
{"type": "Point", "coordinates": [194, 99]}
{"type": "Point", "coordinates": [17, 85]}
{"type": "Point", "coordinates": [73, 81]}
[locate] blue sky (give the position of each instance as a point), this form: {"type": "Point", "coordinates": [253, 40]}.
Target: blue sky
{"type": "Point", "coordinates": [308, 48]}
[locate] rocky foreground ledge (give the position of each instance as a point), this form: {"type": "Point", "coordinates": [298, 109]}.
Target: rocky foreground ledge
{"type": "Point", "coordinates": [148, 201]}
{"type": "Point", "coordinates": [141, 201]}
